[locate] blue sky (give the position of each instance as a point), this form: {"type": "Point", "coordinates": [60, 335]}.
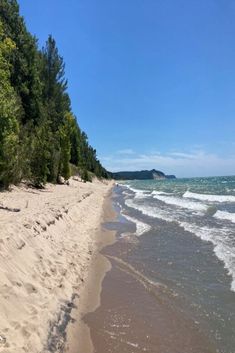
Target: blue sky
{"type": "Point", "coordinates": [152, 82]}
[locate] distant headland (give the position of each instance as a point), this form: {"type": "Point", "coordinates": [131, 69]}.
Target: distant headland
{"type": "Point", "coordinates": [141, 175]}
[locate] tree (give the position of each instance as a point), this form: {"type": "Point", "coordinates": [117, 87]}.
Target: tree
{"type": "Point", "coordinates": [75, 140]}
{"type": "Point", "coordinates": [55, 98]}
{"type": "Point", "coordinates": [39, 135]}
{"type": "Point", "coordinates": [40, 155]}
{"type": "Point", "coordinates": [24, 61]}
{"type": "Point", "coordinates": [9, 108]}
{"type": "Point", "coordinates": [65, 131]}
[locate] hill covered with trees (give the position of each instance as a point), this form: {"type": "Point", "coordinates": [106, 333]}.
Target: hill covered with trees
{"type": "Point", "coordinates": [40, 139]}
{"type": "Point", "coordinates": [140, 175]}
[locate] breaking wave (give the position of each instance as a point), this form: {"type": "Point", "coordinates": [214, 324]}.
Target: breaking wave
{"type": "Point", "coordinates": [210, 198]}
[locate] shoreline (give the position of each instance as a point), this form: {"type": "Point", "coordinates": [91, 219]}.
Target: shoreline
{"type": "Point", "coordinates": [139, 310]}
{"type": "Point", "coordinates": [47, 241]}
{"type": "Point", "coordinates": [78, 332]}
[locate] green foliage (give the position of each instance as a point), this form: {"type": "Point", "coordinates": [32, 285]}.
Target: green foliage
{"type": "Point", "coordinates": [75, 140]}
{"type": "Point", "coordinates": [9, 127]}
{"type": "Point", "coordinates": [40, 156]}
{"type": "Point", "coordinates": [39, 136]}
{"type": "Point", "coordinates": [75, 171]}
{"type": "Point", "coordinates": [65, 148]}
{"type": "Point", "coordinates": [85, 176]}
{"type": "Point", "coordinates": [54, 84]}
{"type": "Point", "coordinates": [24, 61]}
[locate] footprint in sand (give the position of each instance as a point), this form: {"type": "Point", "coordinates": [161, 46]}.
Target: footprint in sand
{"type": "Point", "coordinates": [30, 288]}
{"type": "Point", "coordinates": [32, 310]}
{"type": "Point", "coordinates": [16, 325]}
{"type": "Point", "coordinates": [25, 332]}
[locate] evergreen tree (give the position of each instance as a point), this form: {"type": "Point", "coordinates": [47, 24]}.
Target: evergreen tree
{"type": "Point", "coordinates": [55, 97]}
{"type": "Point", "coordinates": [39, 135]}
{"type": "Point", "coordinates": [25, 61]}
{"type": "Point", "coordinates": [9, 108]}
{"type": "Point", "coordinates": [65, 131]}
{"type": "Point", "coordinates": [75, 140]}
{"type": "Point", "coordinates": [40, 155]}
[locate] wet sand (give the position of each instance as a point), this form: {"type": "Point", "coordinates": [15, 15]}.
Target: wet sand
{"type": "Point", "coordinates": [78, 332]}
{"type": "Point", "coordinates": [136, 315]}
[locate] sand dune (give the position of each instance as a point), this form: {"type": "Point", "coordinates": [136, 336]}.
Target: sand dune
{"type": "Point", "coordinates": [47, 238]}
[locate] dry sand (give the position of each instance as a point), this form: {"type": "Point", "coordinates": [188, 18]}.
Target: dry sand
{"type": "Point", "coordinates": [47, 239]}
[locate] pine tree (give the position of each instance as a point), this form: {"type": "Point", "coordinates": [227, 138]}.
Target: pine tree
{"type": "Point", "coordinates": [25, 61]}
{"type": "Point", "coordinates": [40, 155]}
{"type": "Point", "coordinates": [55, 97]}
{"type": "Point", "coordinates": [39, 136]}
{"type": "Point", "coordinates": [75, 140]}
{"type": "Point", "coordinates": [9, 107]}
{"type": "Point", "coordinates": [65, 131]}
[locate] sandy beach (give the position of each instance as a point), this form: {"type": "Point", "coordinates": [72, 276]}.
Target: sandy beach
{"type": "Point", "coordinates": [47, 240]}
{"type": "Point", "coordinates": [78, 333]}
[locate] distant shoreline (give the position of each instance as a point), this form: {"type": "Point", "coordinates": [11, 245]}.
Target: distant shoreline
{"type": "Point", "coordinates": [152, 174]}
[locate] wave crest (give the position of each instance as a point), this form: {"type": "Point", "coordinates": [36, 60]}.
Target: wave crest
{"type": "Point", "coordinates": [209, 197]}
{"type": "Point", "coordinates": [225, 216]}
{"type": "Point", "coordinates": [192, 205]}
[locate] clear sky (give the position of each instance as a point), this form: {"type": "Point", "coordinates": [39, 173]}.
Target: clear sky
{"type": "Point", "coordinates": [152, 82]}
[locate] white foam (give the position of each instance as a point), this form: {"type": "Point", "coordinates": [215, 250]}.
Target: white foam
{"type": "Point", "coordinates": [192, 205]}
{"type": "Point", "coordinates": [136, 345]}
{"type": "Point", "coordinates": [139, 194]}
{"type": "Point", "coordinates": [226, 254]}
{"type": "Point", "coordinates": [225, 216]}
{"type": "Point", "coordinates": [141, 227]}
{"type": "Point", "coordinates": [204, 233]}
{"type": "Point", "coordinates": [155, 192]}
{"type": "Point", "coordinates": [218, 237]}
{"type": "Point", "coordinates": [150, 211]}
{"type": "Point", "coordinates": [211, 198]}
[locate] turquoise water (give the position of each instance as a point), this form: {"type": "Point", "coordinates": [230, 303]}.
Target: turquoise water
{"type": "Point", "coordinates": [212, 185]}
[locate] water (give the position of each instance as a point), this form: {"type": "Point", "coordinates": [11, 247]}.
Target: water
{"type": "Point", "coordinates": [204, 207]}
{"type": "Point", "coordinates": [172, 285]}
